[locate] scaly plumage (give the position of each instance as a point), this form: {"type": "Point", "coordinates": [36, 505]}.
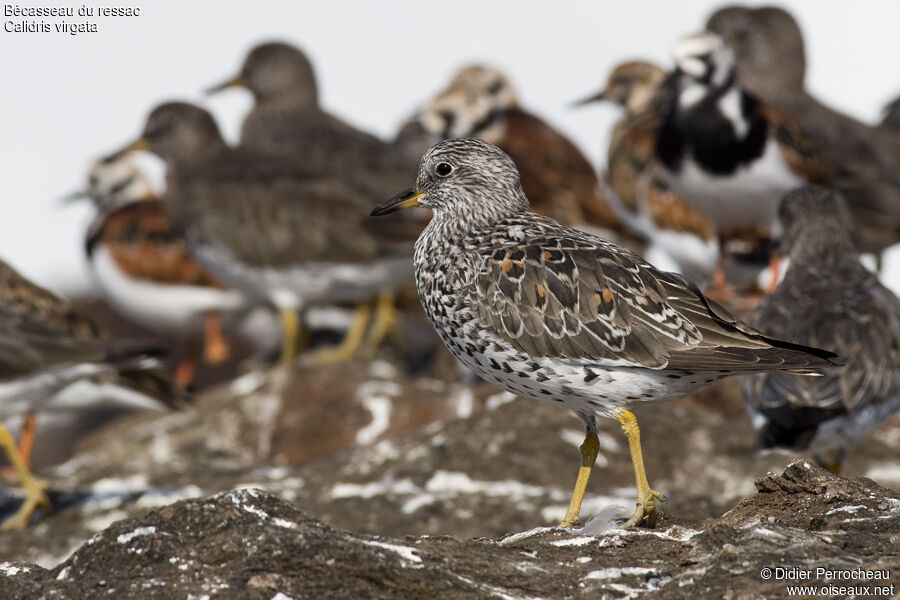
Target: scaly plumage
{"type": "Point", "coordinates": [557, 314]}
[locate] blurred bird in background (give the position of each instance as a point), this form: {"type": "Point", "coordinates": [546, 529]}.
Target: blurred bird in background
{"type": "Point", "coordinates": [262, 225]}
{"type": "Point", "coordinates": [670, 225]}
{"type": "Point", "coordinates": [145, 272]}
{"type": "Point", "coordinates": [830, 300]}
{"type": "Point", "coordinates": [726, 153]}
{"type": "Point", "coordinates": [480, 102]}
{"type": "Point", "coordinates": [47, 346]}
{"type": "Point", "coordinates": [288, 123]}
{"type": "Point", "coordinates": [860, 161]}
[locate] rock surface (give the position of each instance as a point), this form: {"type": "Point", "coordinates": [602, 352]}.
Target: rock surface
{"type": "Point", "coordinates": [251, 544]}
{"type": "Point", "coordinates": [368, 449]}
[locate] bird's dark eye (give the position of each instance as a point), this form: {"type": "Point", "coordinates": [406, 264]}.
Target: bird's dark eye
{"type": "Point", "coordinates": [443, 169]}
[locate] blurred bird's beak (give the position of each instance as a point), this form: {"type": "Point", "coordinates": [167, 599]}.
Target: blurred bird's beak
{"type": "Point", "coordinates": [73, 197]}
{"type": "Point", "coordinates": [234, 82]}
{"type": "Point", "coordinates": [590, 99]}
{"type": "Point", "coordinates": [405, 199]}
{"type": "Point", "coordinates": [138, 144]}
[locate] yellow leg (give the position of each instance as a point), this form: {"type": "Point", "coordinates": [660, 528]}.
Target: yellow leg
{"type": "Point", "coordinates": [589, 449]}
{"type": "Point", "coordinates": [346, 350]}
{"type": "Point", "coordinates": [290, 328]}
{"type": "Point", "coordinates": [34, 489]}
{"type": "Point", "coordinates": [833, 467]}
{"type": "Point", "coordinates": [215, 348]}
{"type": "Point", "coordinates": [383, 323]}
{"type": "Point", "coordinates": [646, 507]}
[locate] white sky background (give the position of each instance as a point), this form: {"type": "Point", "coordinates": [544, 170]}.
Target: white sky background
{"type": "Point", "coordinates": [67, 99]}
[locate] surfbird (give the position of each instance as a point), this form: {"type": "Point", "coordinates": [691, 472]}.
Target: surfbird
{"type": "Point", "coordinates": [46, 346]}
{"type": "Point", "coordinates": [651, 207]}
{"type": "Point", "coordinates": [287, 121]}
{"type": "Point", "coordinates": [145, 271]}
{"type": "Point", "coordinates": [827, 299]}
{"type": "Point", "coordinates": [554, 313]}
{"type": "Point", "coordinates": [480, 102]}
{"type": "Point", "coordinates": [861, 161]}
{"type": "Point", "coordinates": [260, 224]}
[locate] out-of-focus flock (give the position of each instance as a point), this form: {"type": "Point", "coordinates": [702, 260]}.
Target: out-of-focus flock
{"type": "Point", "coordinates": [697, 168]}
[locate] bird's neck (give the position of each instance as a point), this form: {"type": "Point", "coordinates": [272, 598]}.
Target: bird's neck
{"type": "Point", "coordinates": [289, 100]}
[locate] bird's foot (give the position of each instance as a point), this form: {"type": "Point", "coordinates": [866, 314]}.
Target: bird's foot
{"type": "Point", "coordinates": [35, 497]}
{"type": "Point", "coordinates": [645, 509]}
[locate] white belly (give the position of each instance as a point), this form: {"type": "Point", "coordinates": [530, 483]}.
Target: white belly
{"type": "Point", "coordinates": [176, 310]}
{"type": "Point", "coordinates": [748, 197]}
{"type": "Point", "coordinates": [300, 285]}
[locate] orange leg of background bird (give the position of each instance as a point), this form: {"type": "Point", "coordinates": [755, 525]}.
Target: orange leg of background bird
{"type": "Point", "coordinates": [215, 349]}
{"type": "Point", "coordinates": [775, 268]}
{"type": "Point", "coordinates": [26, 441]}
{"type": "Point", "coordinates": [187, 368]}
{"type": "Point", "coordinates": [719, 290]}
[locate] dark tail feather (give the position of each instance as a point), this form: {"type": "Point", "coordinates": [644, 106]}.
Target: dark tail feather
{"type": "Point", "coordinates": [805, 359]}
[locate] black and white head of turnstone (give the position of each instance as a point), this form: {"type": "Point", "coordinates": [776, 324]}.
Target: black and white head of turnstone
{"type": "Point", "coordinates": [705, 63]}
{"type": "Point", "coordinates": [471, 106]}
{"type": "Point", "coordinates": [113, 184]}
{"type": "Point", "coordinates": [553, 313]}
{"type": "Point", "coordinates": [830, 300]}
{"type": "Point", "coordinates": [768, 46]}
{"type": "Point", "coordinates": [276, 72]}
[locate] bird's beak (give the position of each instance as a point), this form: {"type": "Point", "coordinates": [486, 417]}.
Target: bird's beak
{"type": "Point", "coordinates": [234, 82]}
{"type": "Point", "coordinates": [590, 99]}
{"type": "Point", "coordinates": [73, 197]}
{"type": "Point", "coordinates": [405, 199]}
{"type": "Point", "coordinates": [138, 144]}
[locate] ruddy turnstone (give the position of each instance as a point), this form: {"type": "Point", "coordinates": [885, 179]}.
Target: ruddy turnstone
{"type": "Point", "coordinates": [857, 159]}
{"type": "Point", "coordinates": [827, 299]}
{"type": "Point", "coordinates": [554, 313]}
{"type": "Point", "coordinates": [145, 272]}
{"type": "Point", "coordinates": [260, 224]}
{"type": "Point", "coordinates": [653, 209]}
{"type": "Point", "coordinates": [728, 155]}
{"type": "Point", "coordinates": [47, 346]}
{"type": "Point", "coordinates": [480, 103]}
{"type": "Point", "coordinates": [286, 120]}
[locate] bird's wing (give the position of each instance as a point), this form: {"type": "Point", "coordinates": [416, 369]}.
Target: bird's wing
{"type": "Point", "coordinates": [856, 317]}
{"type": "Point", "coordinates": [798, 150]}
{"type": "Point", "coordinates": [288, 220]}
{"type": "Point", "coordinates": [141, 241]}
{"type": "Point", "coordinates": [557, 178]}
{"type": "Point", "coordinates": [580, 297]}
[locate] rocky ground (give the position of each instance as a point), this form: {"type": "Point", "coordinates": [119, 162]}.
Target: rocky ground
{"type": "Point", "coordinates": [362, 480]}
{"type": "Point", "coordinates": [252, 544]}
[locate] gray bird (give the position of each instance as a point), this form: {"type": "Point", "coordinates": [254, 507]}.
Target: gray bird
{"type": "Point", "coordinates": [553, 313]}
{"type": "Point", "coordinates": [861, 162]}
{"type": "Point", "coordinates": [827, 299]}
{"type": "Point", "coordinates": [260, 224]}
{"type": "Point", "coordinates": [287, 121]}
{"type": "Point", "coordinates": [890, 121]}
{"type": "Point", "coordinates": [46, 346]}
